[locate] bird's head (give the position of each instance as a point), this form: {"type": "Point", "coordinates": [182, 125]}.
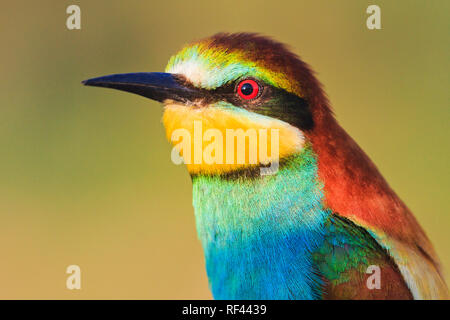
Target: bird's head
{"type": "Point", "coordinates": [230, 82]}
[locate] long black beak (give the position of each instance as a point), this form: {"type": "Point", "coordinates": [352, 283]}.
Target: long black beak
{"type": "Point", "coordinates": [158, 86]}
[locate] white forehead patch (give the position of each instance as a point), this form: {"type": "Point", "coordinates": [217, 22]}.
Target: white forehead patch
{"type": "Point", "coordinates": [194, 70]}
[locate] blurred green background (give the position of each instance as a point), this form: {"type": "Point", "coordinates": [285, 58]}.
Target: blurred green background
{"type": "Point", "coordinates": [86, 176]}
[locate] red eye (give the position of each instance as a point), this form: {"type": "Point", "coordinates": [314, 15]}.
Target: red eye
{"type": "Point", "coordinates": [248, 89]}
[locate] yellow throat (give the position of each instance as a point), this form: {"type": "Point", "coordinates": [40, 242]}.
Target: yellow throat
{"type": "Point", "coordinates": [208, 137]}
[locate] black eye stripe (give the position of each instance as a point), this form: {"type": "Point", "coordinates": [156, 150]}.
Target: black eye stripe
{"type": "Point", "coordinates": [270, 101]}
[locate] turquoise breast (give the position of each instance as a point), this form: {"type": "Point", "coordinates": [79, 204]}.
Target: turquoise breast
{"type": "Point", "coordinates": [259, 233]}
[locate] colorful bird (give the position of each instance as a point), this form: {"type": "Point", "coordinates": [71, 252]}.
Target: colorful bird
{"type": "Point", "coordinates": [325, 224]}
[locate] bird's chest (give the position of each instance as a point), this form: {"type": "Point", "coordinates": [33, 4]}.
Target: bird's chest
{"type": "Point", "coordinates": [258, 234]}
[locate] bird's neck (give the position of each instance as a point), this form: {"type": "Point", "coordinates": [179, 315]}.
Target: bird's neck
{"type": "Point", "coordinates": [258, 233]}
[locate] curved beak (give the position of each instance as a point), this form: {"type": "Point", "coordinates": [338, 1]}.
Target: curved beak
{"type": "Point", "coordinates": [158, 86]}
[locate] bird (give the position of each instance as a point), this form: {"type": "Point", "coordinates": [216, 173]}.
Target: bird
{"type": "Point", "coordinates": [323, 224]}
